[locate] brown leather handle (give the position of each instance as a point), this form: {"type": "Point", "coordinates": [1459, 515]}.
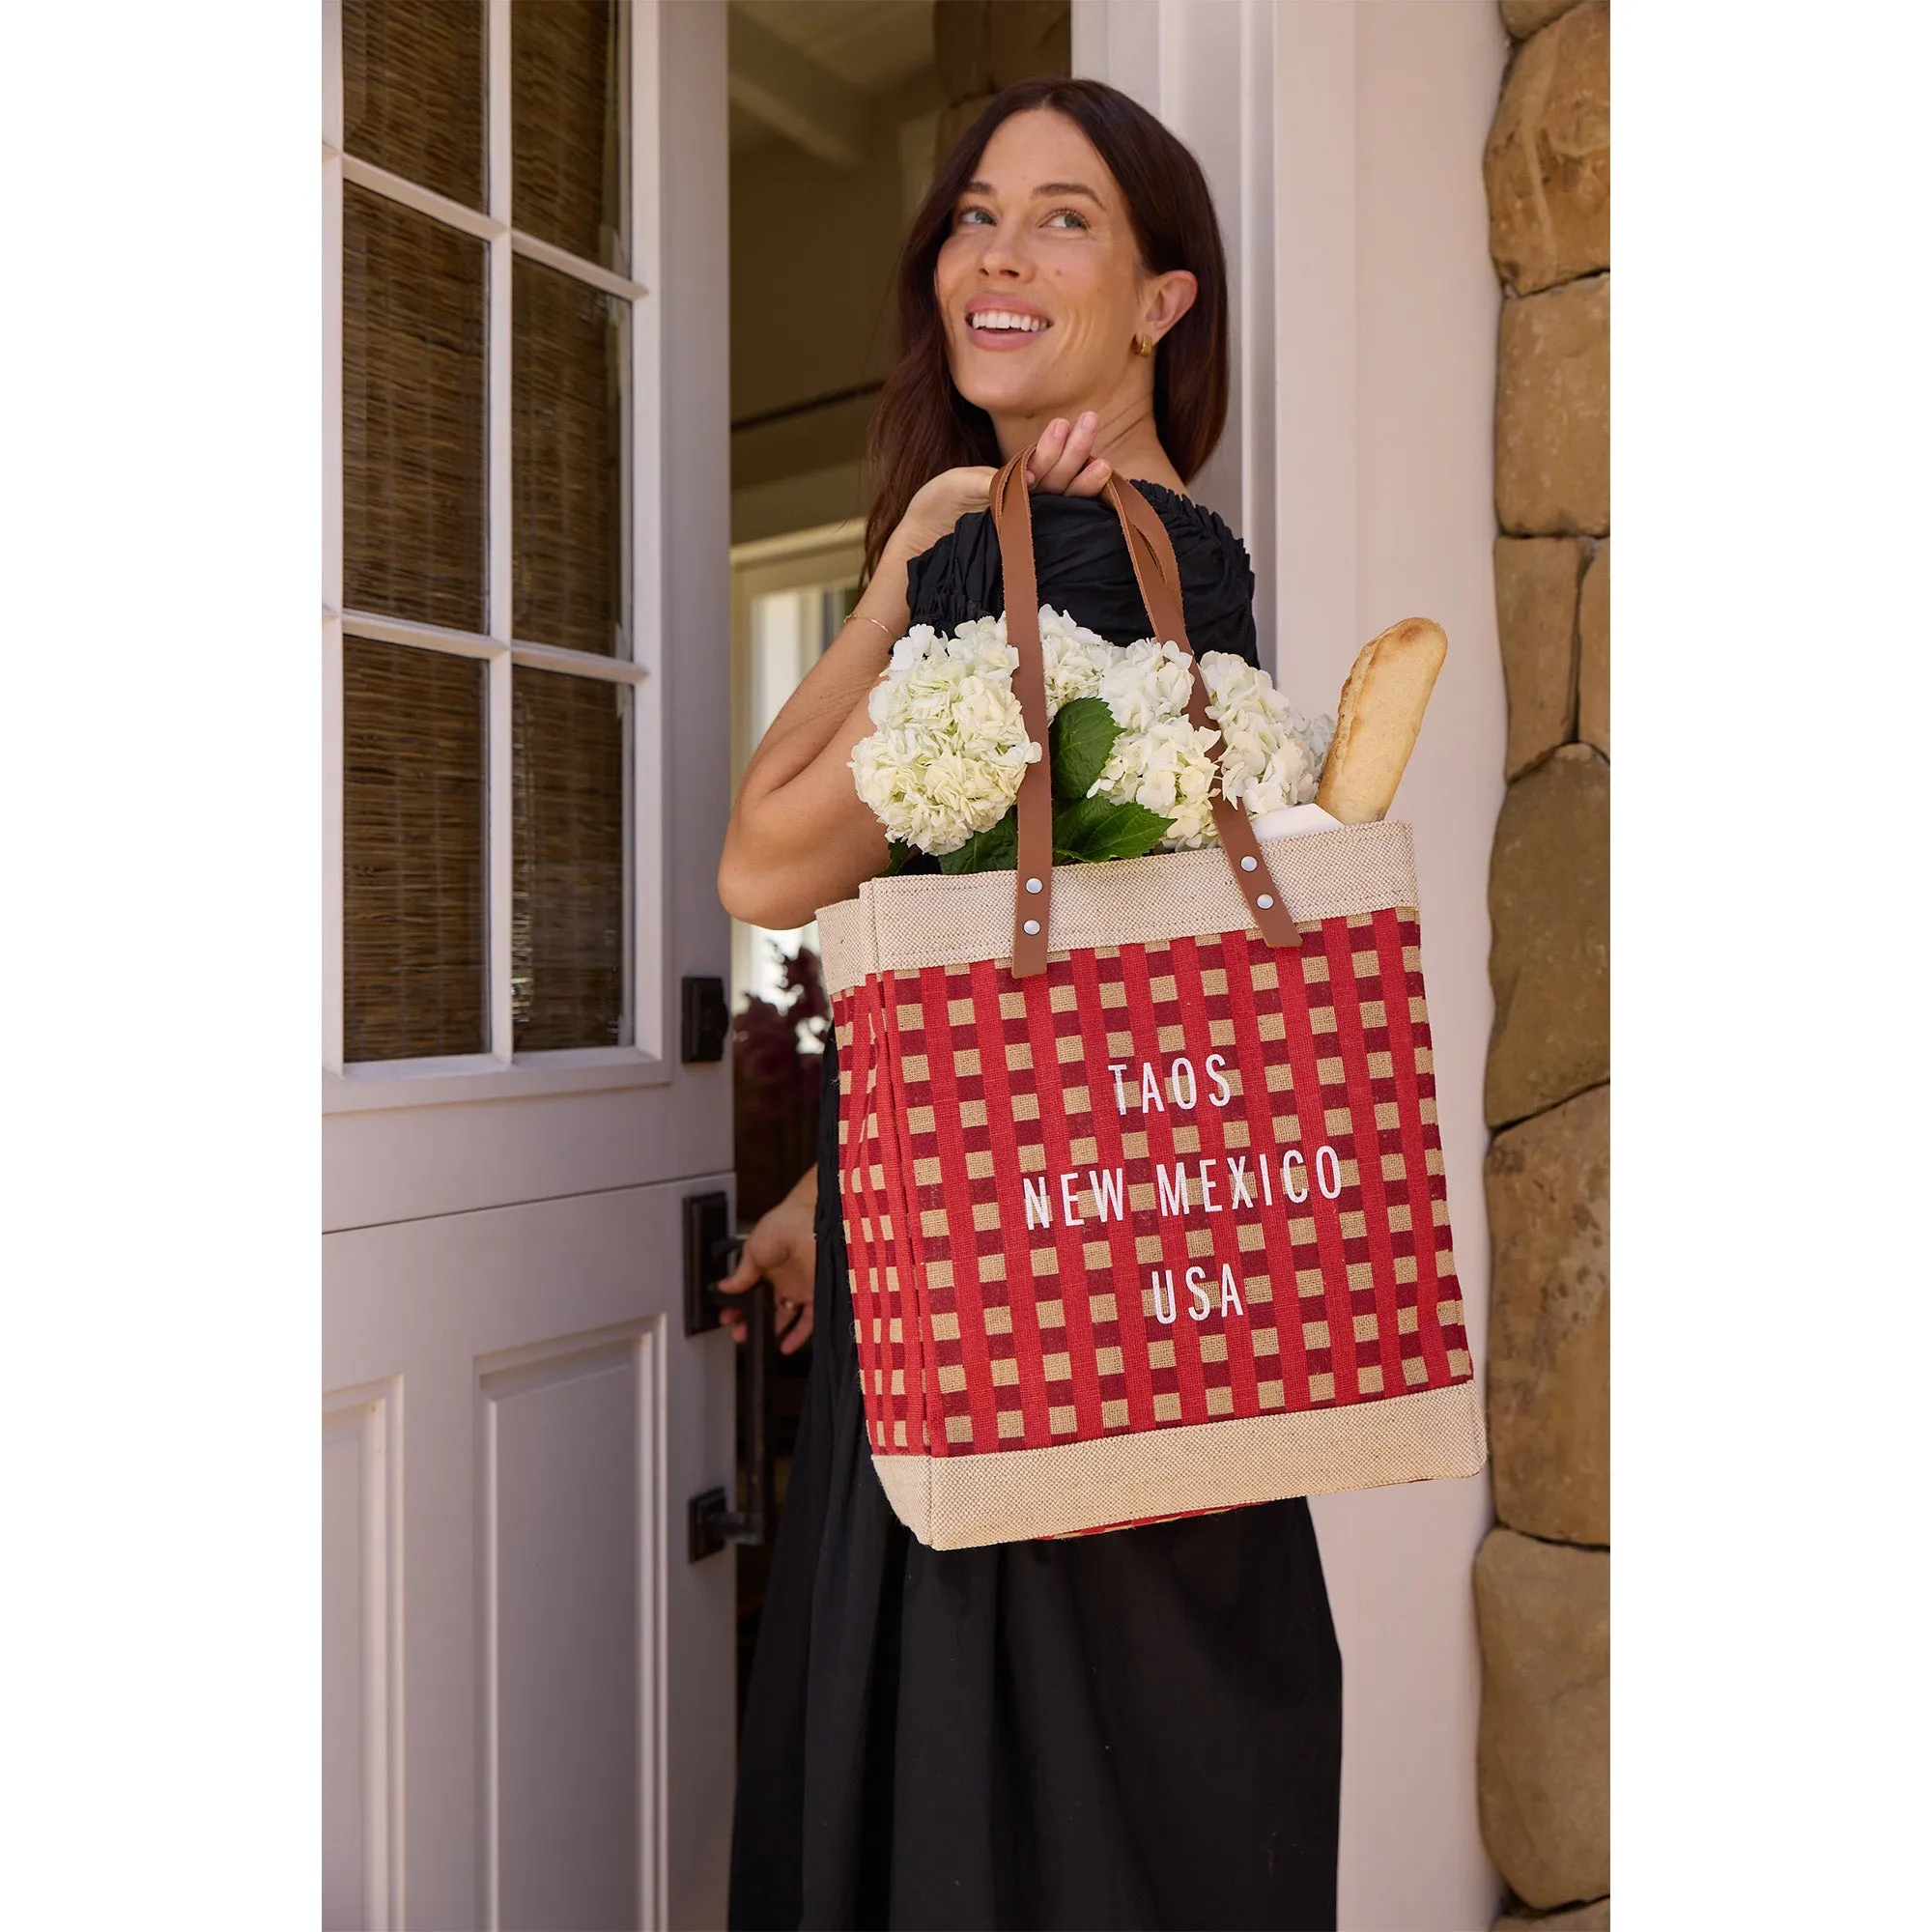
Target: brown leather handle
{"type": "Point", "coordinates": [1151, 555]}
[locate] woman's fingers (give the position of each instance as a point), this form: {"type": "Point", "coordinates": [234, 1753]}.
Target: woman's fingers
{"type": "Point", "coordinates": [1092, 479]}
{"type": "Point", "coordinates": [1064, 453]}
{"type": "Point", "coordinates": [798, 1334]}
{"type": "Point", "coordinates": [1047, 452]}
{"type": "Point", "coordinates": [754, 1261]}
{"type": "Point", "coordinates": [791, 1323]}
{"type": "Point", "coordinates": [731, 1316]}
{"type": "Point", "coordinates": [1078, 450]}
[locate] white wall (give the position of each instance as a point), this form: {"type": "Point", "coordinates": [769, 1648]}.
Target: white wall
{"type": "Point", "coordinates": [1387, 308]}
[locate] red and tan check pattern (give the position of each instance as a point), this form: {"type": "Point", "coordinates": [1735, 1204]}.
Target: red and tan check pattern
{"type": "Point", "coordinates": [981, 1330]}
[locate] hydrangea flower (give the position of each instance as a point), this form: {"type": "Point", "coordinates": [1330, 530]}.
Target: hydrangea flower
{"type": "Point", "coordinates": [1271, 755]}
{"type": "Point", "coordinates": [1160, 760]}
{"type": "Point", "coordinates": [1167, 766]}
{"type": "Point", "coordinates": [1076, 658]}
{"type": "Point", "coordinates": [1146, 681]}
{"type": "Point", "coordinates": [951, 746]}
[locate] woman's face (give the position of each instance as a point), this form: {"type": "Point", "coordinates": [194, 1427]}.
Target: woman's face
{"type": "Point", "coordinates": [1039, 280]}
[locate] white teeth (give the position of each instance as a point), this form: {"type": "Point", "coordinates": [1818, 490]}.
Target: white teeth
{"type": "Point", "coordinates": [998, 318]}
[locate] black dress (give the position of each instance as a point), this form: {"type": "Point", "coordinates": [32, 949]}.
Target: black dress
{"type": "Point", "coordinates": [1140, 1729]}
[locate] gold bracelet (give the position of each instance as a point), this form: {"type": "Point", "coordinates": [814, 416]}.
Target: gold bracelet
{"type": "Point", "coordinates": [873, 622]}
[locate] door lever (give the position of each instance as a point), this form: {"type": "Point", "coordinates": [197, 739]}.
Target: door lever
{"type": "Point", "coordinates": [712, 1523]}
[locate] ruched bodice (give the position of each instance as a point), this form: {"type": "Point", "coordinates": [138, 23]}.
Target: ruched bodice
{"type": "Point", "coordinates": [1080, 559]}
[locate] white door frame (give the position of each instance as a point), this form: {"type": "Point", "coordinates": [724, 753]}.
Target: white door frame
{"type": "Point", "coordinates": [1205, 68]}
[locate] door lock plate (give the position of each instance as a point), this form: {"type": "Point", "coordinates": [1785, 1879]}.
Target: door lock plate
{"type": "Point", "coordinates": [707, 1021]}
{"type": "Point", "coordinates": [712, 1525]}
{"type": "Point", "coordinates": [707, 1258]}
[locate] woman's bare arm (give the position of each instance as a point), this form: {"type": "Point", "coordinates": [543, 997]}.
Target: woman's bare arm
{"type": "Point", "coordinates": [800, 837]}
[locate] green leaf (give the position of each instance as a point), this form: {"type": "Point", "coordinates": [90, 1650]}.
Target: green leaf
{"type": "Point", "coordinates": [1096, 828]}
{"type": "Point", "coordinates": [901, 858]}
{"type": "Point", "coordinates": [1079, 742]}
{"type": "Point", "coordinates": [993, 850]}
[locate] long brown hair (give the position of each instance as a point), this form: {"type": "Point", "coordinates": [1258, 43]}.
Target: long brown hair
{"type": "Point", "coordinates": [924, 425]}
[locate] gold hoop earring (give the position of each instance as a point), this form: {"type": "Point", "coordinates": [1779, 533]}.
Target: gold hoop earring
{"type": "Point", "coordinates": [1143, 345]}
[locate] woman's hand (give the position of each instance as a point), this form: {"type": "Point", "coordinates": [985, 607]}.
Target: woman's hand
{"type": "Point", "coordinates": [784, 1250]}
{"type": "Point", "coordinates": [936, 506]}
{"type": "Point", "coordinates": [1064, 464]}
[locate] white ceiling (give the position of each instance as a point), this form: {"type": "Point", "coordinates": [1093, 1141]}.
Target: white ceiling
{"type": "Point", "coordinates": [863, 45]}
{"type": "Point", "coordinates": [870, 45]}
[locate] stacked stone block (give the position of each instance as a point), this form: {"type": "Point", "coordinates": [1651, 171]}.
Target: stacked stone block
{"type": "Point", "coordinates": [1541, 1576]}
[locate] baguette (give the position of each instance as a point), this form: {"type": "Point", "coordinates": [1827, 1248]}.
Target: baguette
{"type": "Point", "coordinates": [1379, 720]}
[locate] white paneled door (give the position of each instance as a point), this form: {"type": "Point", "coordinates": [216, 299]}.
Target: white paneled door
{"type": "Point", "coordinates": [527, 1684]}
{"type": "Point", "coordinates": [508, 1451]}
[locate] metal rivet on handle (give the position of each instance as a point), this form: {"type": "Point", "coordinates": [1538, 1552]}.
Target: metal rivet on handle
{"type": "Point", "coordinates": [1032, 926]}
{"type": "Point", "coordinates": [1247, 865]}
{"type": "Point", "coordinates": [1033, 885]}
{"type": "Point", "coordinates": [1264, 902]}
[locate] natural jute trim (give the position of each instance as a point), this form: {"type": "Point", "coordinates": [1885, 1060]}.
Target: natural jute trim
{"type": "Point", "coordinates": [955, 1502]}
{"type": "Point", "coordinates": [927, 920]}
{"type": "Point", "coordinates": [845, 947]}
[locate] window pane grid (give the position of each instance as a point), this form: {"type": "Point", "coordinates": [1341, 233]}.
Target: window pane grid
{"type": "Point", "coordinates": [567, 916]}
{"type": "Point", "coordinates": [567, 127]}
{"type": "Point", "coordinates": [569, 352]}
{"type": "Point", "coordinates": [423, 435]}
{"type": "Point", "coordinates": [413, 841]}
{"type": "Point", "coordinates": [412, 413]}
{"type": "Point", "coordinates": [414, 87]}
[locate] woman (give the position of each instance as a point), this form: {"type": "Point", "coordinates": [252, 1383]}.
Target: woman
{"type": "Point", "coordinates": [1135, 1729]}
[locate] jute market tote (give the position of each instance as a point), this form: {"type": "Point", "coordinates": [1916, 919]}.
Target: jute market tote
{"type": "Point", "coordinates": [1139, 1167]}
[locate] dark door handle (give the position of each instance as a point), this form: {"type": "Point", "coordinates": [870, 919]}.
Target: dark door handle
{"type": "Point", "coordinates": [712, 1521]}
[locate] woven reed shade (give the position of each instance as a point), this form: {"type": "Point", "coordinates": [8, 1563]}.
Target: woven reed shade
{"type": "Point", "coordinates": [567, 905]}
{"type": "Point", "coordinates": [414, 80]}
{"type": "Point", "coordinates": [415, 950]}
{"type": "Point", "coordinates": [567, 119]}
{"type": "Point", "coordinates": [412, 414]}
{"type": "Point", "coordinates": [567, 458]}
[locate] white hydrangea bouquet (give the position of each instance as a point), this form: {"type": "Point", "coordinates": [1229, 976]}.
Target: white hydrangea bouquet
{"type": "Point", "coordinates": [1130, 774]}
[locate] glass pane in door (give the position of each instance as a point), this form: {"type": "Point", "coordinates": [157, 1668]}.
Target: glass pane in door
{"type": "Point", "coordinates": [570, 345]}
{"type": "Point", "coordinates": [413, 426]}
{"type": "Point", "coordinates": [415, 949]}
{"type": "Point", "coordinates": [567, 856]}
{"type": "Point", "coordinates": [567, 125]}
{"type": "Point", "coordinates": [414, 75]}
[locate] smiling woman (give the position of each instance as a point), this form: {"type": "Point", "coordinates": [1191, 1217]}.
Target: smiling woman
{"type": "Point", "coordinates": [1076, 225]}
{"type": "Point", "coordinates": [1057, 273]}
{"type": "Point", "coordinates": [1138, 1728]}
{"type": "Point", "coordinates": [1057, 207]}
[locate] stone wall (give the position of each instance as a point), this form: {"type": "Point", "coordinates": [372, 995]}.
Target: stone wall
{"type": "Point", "coordinates": [1541, 1576]}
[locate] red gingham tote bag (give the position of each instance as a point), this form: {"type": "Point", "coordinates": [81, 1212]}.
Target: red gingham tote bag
{"type": "Point", "coordinates": [1138, 1161]}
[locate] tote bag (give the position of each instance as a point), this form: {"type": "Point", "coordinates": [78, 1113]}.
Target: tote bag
{"type": "Point", "coordinates": [1139, 1165]}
